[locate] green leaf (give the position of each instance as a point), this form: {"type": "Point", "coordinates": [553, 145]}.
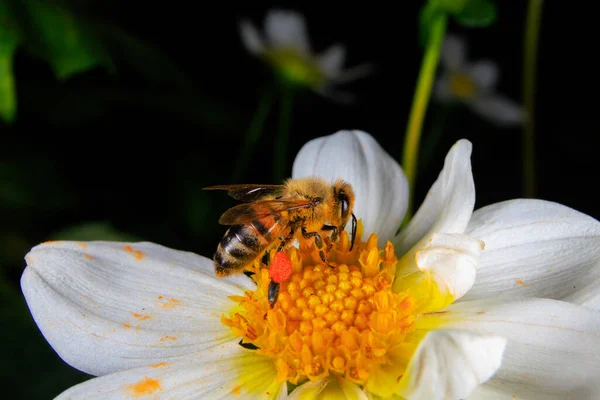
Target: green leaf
{"type": "Point", "coordinates": [61, 38]}
{"type": "Point", "coordinates": [96, 230]}
{"type": "Point", "coordinates": [10, 39]}
{"type": "Point", "coordinates": [477, 14]}
{"type": "Point", "coordinates": [470, 13]}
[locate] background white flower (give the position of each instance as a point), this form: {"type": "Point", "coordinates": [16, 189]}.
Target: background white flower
{"type": "Point", "coordinates": [286, 48]}
{"type": "Point", "coordinates": [473, 84]}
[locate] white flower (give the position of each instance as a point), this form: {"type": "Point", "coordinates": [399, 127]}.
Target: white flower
{"type": "Point", "coordinates": [473, 84]}
{"type": "Point", "coordinates": [287, 49]}
{"type": "Point", "coordinates": [497, 303]}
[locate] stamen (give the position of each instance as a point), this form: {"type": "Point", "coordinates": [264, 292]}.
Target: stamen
{"type": "Point", "coordinates": [340, 321]}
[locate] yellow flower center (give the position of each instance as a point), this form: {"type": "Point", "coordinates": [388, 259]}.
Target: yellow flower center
{"type": "Point", "coordinates": [295, 67]}
{"type": "Point", "coordinates": [341, 319]}
{"type": "Point", "coordinates": [461, 85]}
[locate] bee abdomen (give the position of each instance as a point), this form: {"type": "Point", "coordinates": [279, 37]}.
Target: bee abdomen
{"type": "Point", "coordinates": [239, 247]}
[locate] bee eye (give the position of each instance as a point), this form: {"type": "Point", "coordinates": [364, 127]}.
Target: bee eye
{"type": "Point", "coordinates": [345, 202]}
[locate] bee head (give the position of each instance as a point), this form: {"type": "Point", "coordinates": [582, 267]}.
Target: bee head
{"type": "Point", "coordinates": [343, 195]}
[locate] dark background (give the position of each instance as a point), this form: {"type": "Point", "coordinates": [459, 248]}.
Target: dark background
{"type": "Point", "coordinates": [131, 151]}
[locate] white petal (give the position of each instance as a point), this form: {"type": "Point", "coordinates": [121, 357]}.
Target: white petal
{"type": "Point", "coordinates": [589, 294]}
{"type": "Point", "coordinates": [331, 60]}
{"type": "Point", "coordinates": [108, 306]}
{"type": "Point", "coordinates": [534, 248]}
{"type": "Point", "coordinates": [449, 364]}
{"type": "Point", "coordinates": [450, 261]}
{"type": "Point", "coordinates": [484, 74]}
{"type": "Point", "coordinates": [454, 52]}
{"type": "Point", "coordinates": [251, 38]}
{"type": "Point", "coordinates": [286, 29]}
{"type": "Point", "coordinates": [379, 183]}
{"type": "Point", "coordinates": [553, 347]}
{"type": "Point", "coordinates": [498, 109]}
{"type": "Point", "coordinates": [449, 203]}
{"type": "Point", "coordinates": [227, 373]}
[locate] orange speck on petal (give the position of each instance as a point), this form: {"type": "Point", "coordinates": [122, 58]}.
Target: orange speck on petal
{"type": "Point", "coordinates": [520, 282]}
{"type": "Point", "coordinates": [159, 365]}
{"type": "Point", "coordinates": [236, 390]}
{"type": "Point", "coordinates": [82, 245]}
{"type": "Point", "coordinates": [172, 300]}
{"type": "Point", "coordinates": [141, 317]}
{"type": "Point", "coordinates": [136, 253]}
{"type": "Point", "coordinates": [167, 337]}
{"type": "Point", "coordinates": [51, 242]}
{"type": "Point", "coordinates": [159, 297]}
{"type": "Point", "coordinates": [126, 325]}
{"type": "Point", "coordinates": [89, 257]}
{"type": "Point", "coordinates": [145, 386]}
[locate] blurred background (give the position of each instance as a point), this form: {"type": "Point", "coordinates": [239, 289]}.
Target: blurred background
{"type": "Point", "coordinates": [125, 111]}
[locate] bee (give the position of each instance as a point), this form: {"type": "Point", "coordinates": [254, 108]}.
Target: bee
{"type": "Point", "coordinates": [272, 214]}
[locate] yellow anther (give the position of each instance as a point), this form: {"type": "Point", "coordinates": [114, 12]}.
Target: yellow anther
{"type": "Point", "coordinates": [321, 310]}
{"type": "Point", "coordinates": [308, 315]}
{"type": "Point", "coordinates": [313, 301]}
{"type": "Point", "coordinates": [347, 316]}
{"type": "Point", "coordinates": [301, 303]}
{"type": "Point", "coordinates": [295, 314]}
{"type": "Point", "coordinates": [337, 306]}
{"type": "Point", "coordinates": [340, 294]}
{"type": "Point", "coordinates": [327, 298]}
{"type": "Point", "coordinates": [338, 363]}
{"type": "Point", "coordinates": [308, 291]}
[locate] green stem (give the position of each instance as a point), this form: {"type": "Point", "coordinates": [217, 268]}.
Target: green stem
{"type": "Point", "coordinates": [529, 71]}
{"type": "Point", "coordinates": [281, 142]}
{"type": "Point", "coordinates": [253, 133]}
{"type": "Point", "coordinates": [419, 106]}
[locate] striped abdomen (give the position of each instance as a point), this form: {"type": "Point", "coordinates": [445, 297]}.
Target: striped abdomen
{"type": "Point", "coordinates": [242, 244]}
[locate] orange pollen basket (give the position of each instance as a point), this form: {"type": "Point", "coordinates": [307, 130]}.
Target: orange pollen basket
{"type": "Point", "coordinates": [341, 320]}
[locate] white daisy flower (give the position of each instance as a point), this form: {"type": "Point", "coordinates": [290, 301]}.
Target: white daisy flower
{"type": "Point", "coordinates": [473, 84]}
{"type": "Point", "coordinates": [499, 303]}
{"type": "Point", "coordinates": [287, 49]}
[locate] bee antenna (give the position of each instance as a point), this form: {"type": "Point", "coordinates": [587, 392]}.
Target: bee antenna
{"type": "Point", "coordinates": [353, 231]}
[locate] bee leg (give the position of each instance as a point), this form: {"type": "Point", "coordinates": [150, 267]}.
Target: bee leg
{"type": "Point", "coordinates": [318, 242]}
{"type": "Point", "coordinates": [335, 229]}
{"type": "Point", "coordinates": [273, 292]}
{"type": "Point", "coordinates": [286, 239]}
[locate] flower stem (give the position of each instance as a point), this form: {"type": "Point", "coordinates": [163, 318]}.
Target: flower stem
{"type": "Point", "coordinates": [281, 142]}
{"type": "Point", "coordinates": [419, 106]}
{"type": "Point", "coordinates": [529, 69]}
{"type": "Point", "coordinates": [253, 133]}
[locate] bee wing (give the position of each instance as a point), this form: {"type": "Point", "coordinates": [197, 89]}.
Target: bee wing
{"type": "Point", "coordinates": [247, 212]}
{"type": "Point", "coordinates": [249, 192]}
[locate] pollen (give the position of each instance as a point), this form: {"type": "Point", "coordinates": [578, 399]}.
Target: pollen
{"type": "Point", "coordinates": [341, 319]}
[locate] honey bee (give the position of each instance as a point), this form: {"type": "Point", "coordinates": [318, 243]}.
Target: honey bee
{"type": "Point", "coordinates": [272, 214]}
